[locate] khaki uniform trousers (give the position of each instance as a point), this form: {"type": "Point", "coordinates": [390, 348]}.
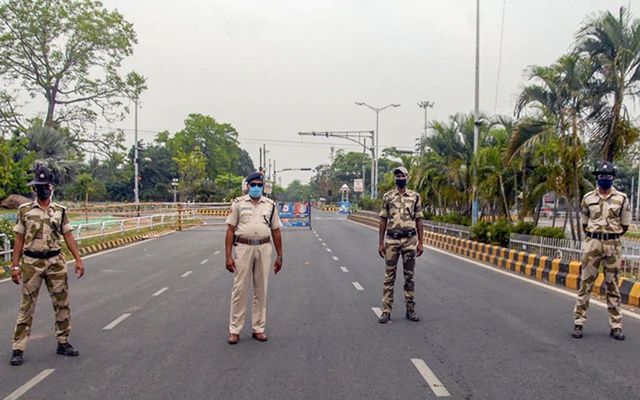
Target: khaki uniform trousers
{"type": "Point", "coordinates": [253, 263]}
{"type": "Point", "coordinates": [607, 252]}
{"type": "Point", "coordinates": [53, 271]}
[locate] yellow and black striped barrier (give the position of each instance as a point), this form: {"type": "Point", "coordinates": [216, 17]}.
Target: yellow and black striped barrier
{"type": "Point", "coordinates": [542, 268]}
{"type": "Point", "coordinates": [95, 248]}
{"type": "Point", "coordinates": [216, 213]}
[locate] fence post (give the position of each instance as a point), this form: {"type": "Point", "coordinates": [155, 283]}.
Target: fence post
{"type": "Point", "coordinates": [102, 227]}
{"type": "Point", "coordinates": [138, 224]}
{"type": "Point", "coordinates": [79, 235]}
{"type": "Point", "coordinates": [179, 216]}
{"type": "Point", "coordinates": [7, 248]}
{"type": "Point", "coordinates": [122, 227]}
{"type": "Point", "coordinates": [162, 219]}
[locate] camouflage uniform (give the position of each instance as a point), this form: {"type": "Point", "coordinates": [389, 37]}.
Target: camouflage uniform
{"type": "Point", "coordinates": [43, 231]}
{"type": "Point", "coordinates": [602, 215]}
{"type": "Point", "coordinates": [401, 212]}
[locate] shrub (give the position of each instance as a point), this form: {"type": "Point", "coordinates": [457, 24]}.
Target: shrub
{"type": "Point", "coordinates": [427, 216]}
{"type": "Point", "coordinates": [6, 226]}
{"type": "Point", "coordinates": [548, 231]}
{"type": "Point", "coordinates": [370, 204]}
{"type": "Point", "coordinates": [480, 232]}
{"type": "Point", "coordinates": [453, 218]}
{"type": "Point", "coordinates": [523, 228]}
{"type": "Point", "coordinates": [499, 233]}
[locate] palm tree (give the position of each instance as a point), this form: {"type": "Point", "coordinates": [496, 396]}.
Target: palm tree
{"type": "Point", "coordinates": [52, 150]}
{"type": "Point", "coordinates": [613, 44]}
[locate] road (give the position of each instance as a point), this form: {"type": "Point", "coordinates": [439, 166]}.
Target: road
{"type": "Point", "coordinates": [483, 334]}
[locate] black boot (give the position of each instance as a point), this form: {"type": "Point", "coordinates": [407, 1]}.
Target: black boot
{"type": "Point", "coordinates": [412, 316]}
{"type": "Point", "coordinates": [385, 317]}
{"type": "Point", "coordinates": [65, 349]}
{"type": "Point", "coordinates": [617, 334]}
{"type": "Point", "coordinates": [16, 358]}
{"type": "Point", "coordinates": [577, 332]}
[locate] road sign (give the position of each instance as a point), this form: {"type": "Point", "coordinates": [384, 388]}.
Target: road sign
{"type": "Point", "coordinates": [357, 185]}
{"type": "Point", "coordinates": [268, 187]}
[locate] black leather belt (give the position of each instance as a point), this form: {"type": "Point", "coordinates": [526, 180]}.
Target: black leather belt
{"type": "Point", "coordinates": [254, 242]}
{"type": "Point", "coordinates": [603, 236]}
{"type": "Point", "coordinates": [401, 234]}
{"type": "Point", "coordinates": [41, 254]}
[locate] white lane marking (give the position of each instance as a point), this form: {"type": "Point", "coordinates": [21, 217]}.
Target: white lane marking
{"type": "Point", "coordinates": [357, 286]}
{"type": "Point", "coordinates": [204, 261]}
{"type": "Point", "coordinates": [438, 388]}
{"type": "Point", "coordinates": [377, 311]}
{"type": "Point", "coordinates": [320, 239]}
{"type": "Point", "coordinates": [216, 253]}
{"type": "Point", "coordinates": [522, 278]}
{"type": "Point", "coordinates": [329, 250]}
{"type": "Point", "coordinates": [344, 269]}
{"type": "Point", "coordinates": [25, 388]}
{"type": "Point", "coordinates": [116, 322]}
{"type": "Point", "coordinates": [186, 274]}
{"type": "Point", "coordinates": [335, 258]}
{"type": "Point", "coordinates": [324, 244]}
{"type": "Point", "coordinates": [159, 292]}
{"type": "Point", "coordinates": [5, 280]}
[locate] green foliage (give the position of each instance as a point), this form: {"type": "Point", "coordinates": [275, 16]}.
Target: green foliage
{"type": "Point", "coordinates": [548, 231]}
{"type": "Point", "coordinates": [87, 185]}
{"type": "Point", "coordinates": [369, 204]}
{"type": "Point", "coordinates": [453, 218]}
{"type": "Point", "coordinates": [523, 228]}
{"type": "Point", "coordinates": [191, 167]}
{"type": "Point", "coordinates": [68, 52]}
{"type": "Point", "coordinates": [295, 192]}
{"type": "Point", "coordinates": [499, 233]}
{"type": "Point", "coordinates": [15, 161]}
{"type": "Point", "coordinates": [6, 227]}
{"type": "Point", "coordinates": [480, 232]}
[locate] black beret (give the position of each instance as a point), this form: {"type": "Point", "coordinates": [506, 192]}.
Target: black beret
{"type": "Point", "coordinates": [255, 176]}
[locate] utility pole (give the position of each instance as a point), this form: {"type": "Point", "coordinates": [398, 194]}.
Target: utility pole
{"type": "Point", "coordinates": [260, 165]}
{"type": "Point", "coordinates": [476, 120]}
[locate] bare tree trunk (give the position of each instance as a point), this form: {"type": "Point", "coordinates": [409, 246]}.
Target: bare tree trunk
{"type": "Point", "coordinates": [573, 232]}
{"type": "Point", "coordinates": [555, 209]}
{"type": "Point", "coordinates": [538, 209]}
{"type": "Point", "coordinates": [576, 177]}
{"type": "Point", "coordinates": [515, 198]}
{"type": "Point", "coordinates": [567, 210]}
{"type": "Point", "coordinates": [504, 197]}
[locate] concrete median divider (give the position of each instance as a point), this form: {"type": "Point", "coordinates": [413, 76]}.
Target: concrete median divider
{"type": "Point", "coordinates": [96, 248]}
{"type": "Point", "coordinates": [542, 268]}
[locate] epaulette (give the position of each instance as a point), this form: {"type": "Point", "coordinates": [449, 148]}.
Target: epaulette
{"type": "Point", "coordinates": [25, 205]}
{"type": "Point", "coordinates": [58, 205]}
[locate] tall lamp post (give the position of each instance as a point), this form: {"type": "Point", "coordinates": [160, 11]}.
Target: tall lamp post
{"type": "Point", "coordinates": [426, 105]}
{"type": "Point", "coordinates": [374, 183]}
{"type": "Point", "coordinates": [477, 123]}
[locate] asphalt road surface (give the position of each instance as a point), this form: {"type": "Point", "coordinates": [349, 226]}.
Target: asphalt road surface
{"type": "Point", "coordinates": [151, 322]}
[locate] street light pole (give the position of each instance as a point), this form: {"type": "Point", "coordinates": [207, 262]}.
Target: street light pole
{"type": "Point", "coordinates": [135, 153]}
{"type": "Point", "coordinates": [374, 173]}
{"type": "Point", "coordinates": [426, 105]}
{"type": "Point", "coordinates": [476, 121]}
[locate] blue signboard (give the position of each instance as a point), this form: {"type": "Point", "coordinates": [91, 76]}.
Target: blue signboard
{"type": "Point", "coordinates": [344, 207]}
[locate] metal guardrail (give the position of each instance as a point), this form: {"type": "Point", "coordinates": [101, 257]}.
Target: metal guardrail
{"type": "Point", "coordinates": [572, 250]}
{"type": "Point", "coordinates": [565, 249]}
{"type": "Point", "coordinates": [460, 231]}
{"type": "Point", "coordinates": [106, 228]}
{"type": "Point", "coordinates": [6, 247]}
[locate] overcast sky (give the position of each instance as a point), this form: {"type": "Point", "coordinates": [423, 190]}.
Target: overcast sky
{"type": "Point", "coordinates": [273, 68]}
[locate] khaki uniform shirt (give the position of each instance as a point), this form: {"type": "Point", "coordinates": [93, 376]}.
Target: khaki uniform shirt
{"type": "Point", "coordinates": [605, 214]}
{"type": "Point", "coordinates": [42, 228]}
{"type": "Point", "coordinates": [252, 220]}
{"type": "Point", "coordinates": [401, 211]}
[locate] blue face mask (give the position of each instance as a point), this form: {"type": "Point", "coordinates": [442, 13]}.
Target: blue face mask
{"type": "Point", "coordinates": [255, 191]}
{"type": "Point", "coordinates": [605, 183]}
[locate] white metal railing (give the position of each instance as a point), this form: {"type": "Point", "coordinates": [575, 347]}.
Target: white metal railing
{"type": "Point", "coordinates": [460, 231]}
{"type": "Point", "coordinates": [565, 249]}
{"type": "Point", "coordinates": [572, 250]}
{"type": "Point", "coordinates": [6, 247]}
{"type": "Point", "coordinates": [106, 228]}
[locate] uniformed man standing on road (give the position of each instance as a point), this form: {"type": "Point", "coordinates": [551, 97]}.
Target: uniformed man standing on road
{"type": "Point", "coordinates": [252, 221]}
{"type": "Point", "coordinates": [39, 228]}
{"type": "Point", "coordinates": [401, 223]}
{"type": "Point", "coordinates": [605, 216]}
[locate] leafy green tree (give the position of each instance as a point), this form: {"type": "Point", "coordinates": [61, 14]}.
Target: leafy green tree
{"type": "Point", "coordinates": [192, 169]}
{"type": "Point", "coordinates": [15, 160]}
{"type": "Point", "coordinates": [86, 187]}
{"type": "Point", "coordinates": [296, 192]}
{"type": "Point", "coordinates": [69, 53]}
{"type": "Point", "coordinates": [51, 148]}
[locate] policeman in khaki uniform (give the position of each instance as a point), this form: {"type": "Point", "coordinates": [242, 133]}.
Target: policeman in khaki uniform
{"type": "Point", "coordinates": [39, 229]}
{"type": "Point", "coordinates": [605, 216]}
{"type": "Point", "coordinates": [252, 221]}
{"type": "Point", "coordinates": [400, 233]}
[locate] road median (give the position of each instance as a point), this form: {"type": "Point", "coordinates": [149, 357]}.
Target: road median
{"type": "Point", "coordinates": [542, 268]}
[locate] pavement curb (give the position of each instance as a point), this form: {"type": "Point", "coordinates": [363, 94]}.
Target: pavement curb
{"type": "Point", "coordinates": [542, 268]}
{"type": "Point", "coordinates": [96, 248]}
